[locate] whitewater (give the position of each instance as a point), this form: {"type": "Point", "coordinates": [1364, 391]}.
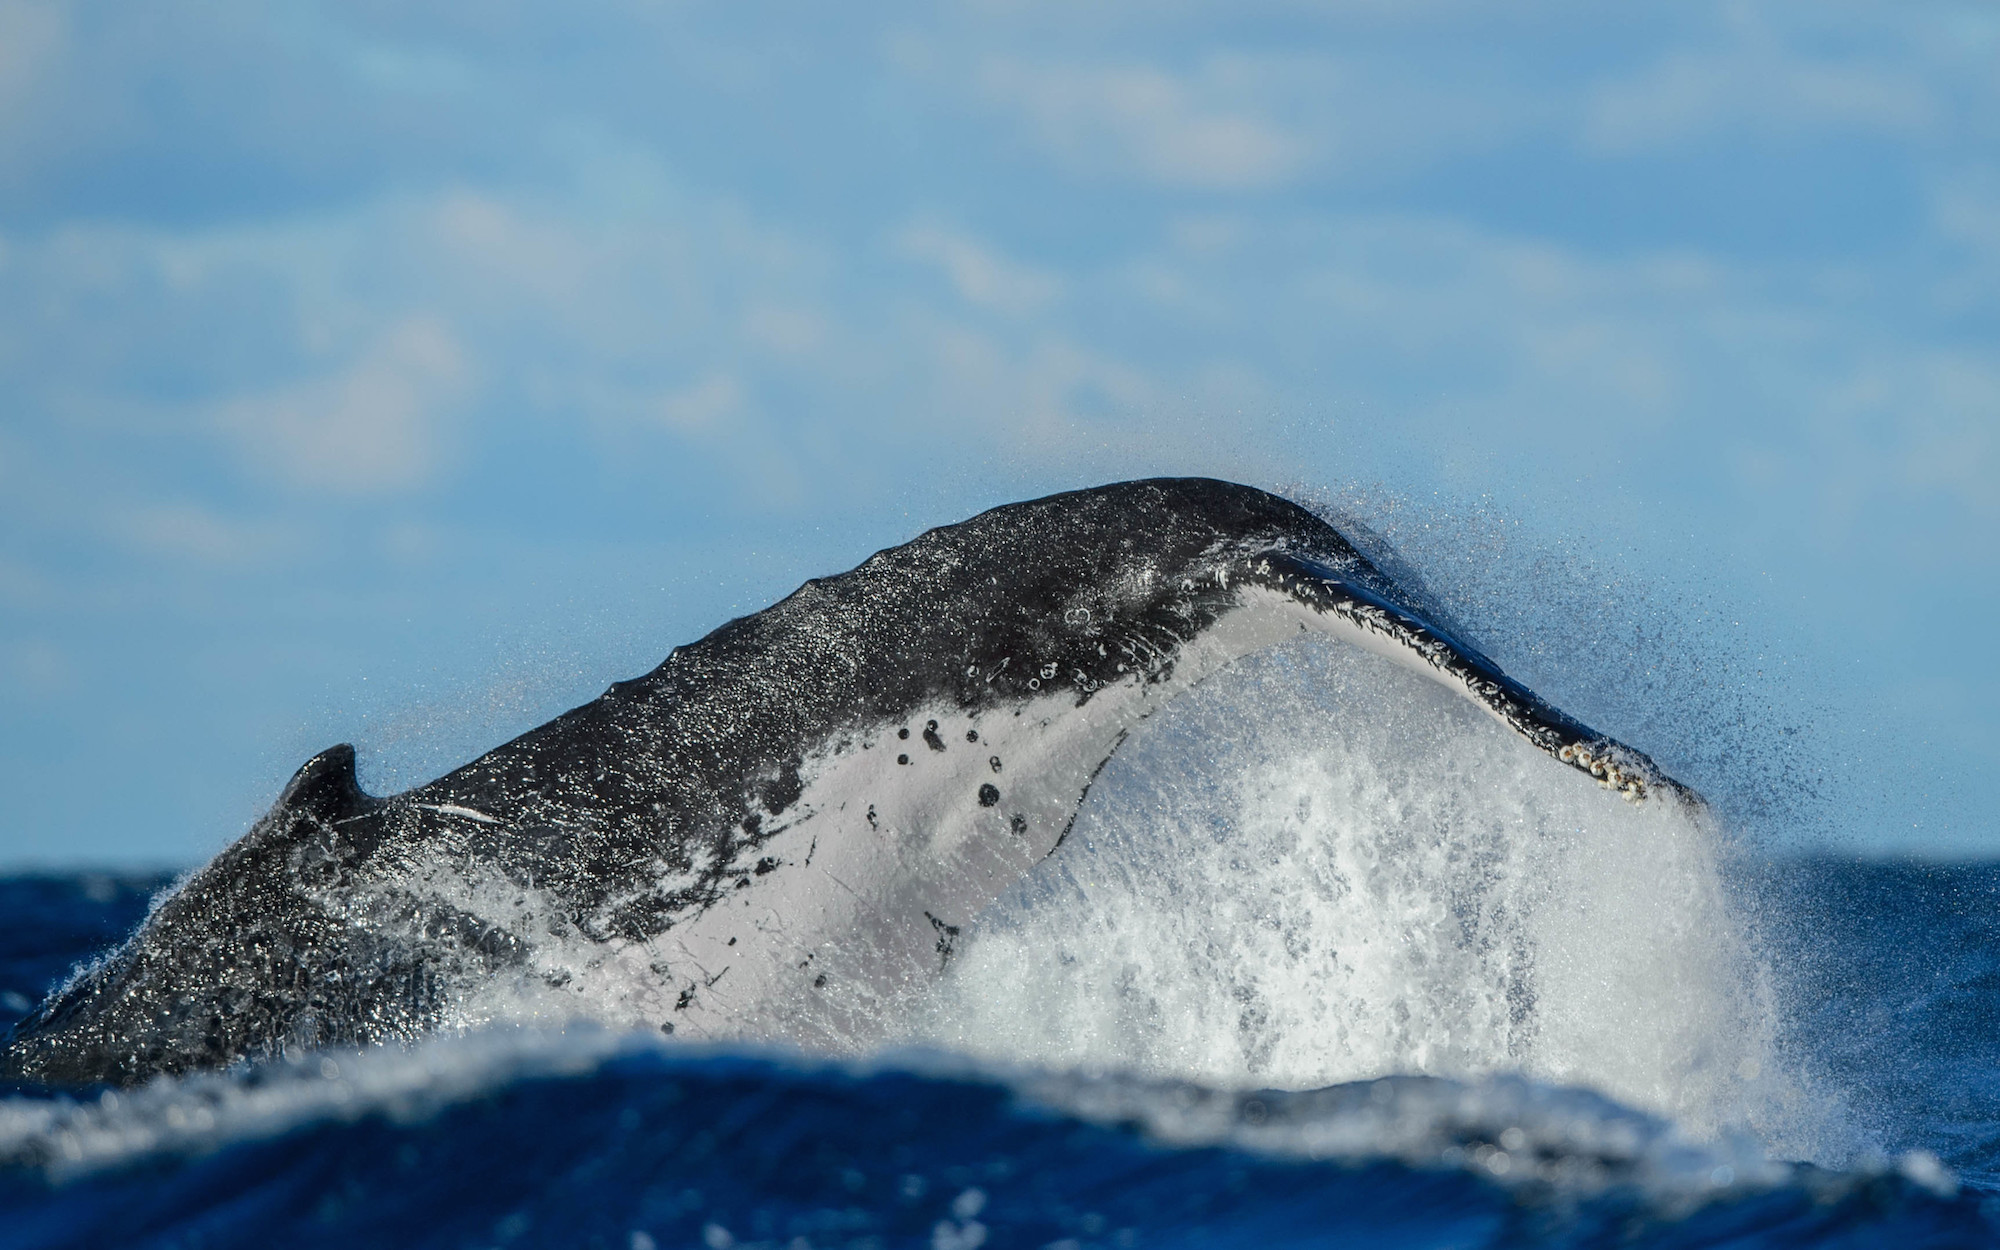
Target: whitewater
{"type": "Point", "coordinates": [1327, 952]}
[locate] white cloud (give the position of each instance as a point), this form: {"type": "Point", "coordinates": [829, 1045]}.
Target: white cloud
{"type": "Point", "coordinates": [24, 587]}
{"type": "Point", "coordinates": [1913, 430]}
{"type": "Point", "coordinates": [1176, 130]}
{"type": "Point", "coordinates": [32, 39]}
{"type": "Point", "coordinates": [787, 331]}
{"type": "Point", "coordinates": [373, 426]}
{"type": "Point", "coordinates": [981, 276]}
{"type": "Point", "coordinates": [737, 350]}
{"type": "Point", "coordinates": [190, 531]}
{"type": "Point", "coordinates": [1966, 212]}
{"type": "Point", "coordinates": [1754, 88]}
{"type": "Point", "coordinates": [703, 407]}
{"type": "Point", "coordinates": [37, 667]}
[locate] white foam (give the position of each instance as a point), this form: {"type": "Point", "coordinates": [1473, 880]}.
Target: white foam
{"type": "Point", "coordinates": [208, 1110]}
{"type": "Point", "coordinates": [1320, 868]}
{"type": "Point", "coordinates": [1542, 1141]}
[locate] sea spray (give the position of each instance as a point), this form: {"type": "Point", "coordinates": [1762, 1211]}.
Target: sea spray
{"type": "Point", "coordinates": [1318, 868]}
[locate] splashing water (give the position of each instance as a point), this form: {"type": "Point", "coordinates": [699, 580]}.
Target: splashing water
{"type": "Point", "coordinates": [1320, 868]}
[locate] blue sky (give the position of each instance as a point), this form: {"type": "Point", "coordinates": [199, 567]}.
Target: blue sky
{"type": "Point", "coordinates": [403, 373]}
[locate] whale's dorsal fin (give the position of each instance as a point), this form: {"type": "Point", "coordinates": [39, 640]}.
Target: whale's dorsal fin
{"type": "Point", "coordinates": [325, 787]}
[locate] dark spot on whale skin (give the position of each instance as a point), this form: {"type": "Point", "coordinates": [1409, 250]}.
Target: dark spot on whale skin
{"type": "Point", "coordinates": [732, 941]}
{"type": "Point", "coordinates": [902, 759]}
{"type": "Point", "coordinates": [819, 982]}
{"type": "Point", "coordinates": [668, 1027]}
{"type": "Point", "coordinates": [687, 996]}
{"type": "Point", "coordinates": [764, 865]}
{"type": "Point", "coordinates": [989, 795]}
{"type": "Point", "coordinates": [931, 738]}
{"type": "Point", "coordinates": [995, 761]}
{"type": "Point", "coordinates": [904, 732]}
{"type": "Point", "coordinates": [972, 735]}
{"type": "Point", "coordinates": [1018, 823]}
{"type": "Point", "coordinates": [947, 934]}
{"type": "Point", "coordinates": [872, 822]}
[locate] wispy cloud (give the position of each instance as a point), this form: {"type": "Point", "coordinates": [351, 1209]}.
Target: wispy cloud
{"type": "Point", "coordinates": [1179, 130]}
{"type": "Point", "coordinates": [981, 276]}
{"type": "Point", "coordinates": [704, 406]}
{"type": "Point", "coordinates": [375, 425]}
{"type": "Point", "coordinates": [1760, 91]}
{"type": "Point", "coordinates": [31, 47]}
{"type": "Point", "coordinates": [198, 533]}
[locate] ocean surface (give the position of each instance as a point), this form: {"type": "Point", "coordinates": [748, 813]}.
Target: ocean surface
{"type": "Point", "coordinates": [1328, 959]}
{"type": "Point", "coordinates": [588, 1138]}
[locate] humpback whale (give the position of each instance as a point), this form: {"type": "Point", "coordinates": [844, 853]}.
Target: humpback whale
{"type": "Point", "coordinates": [780, 829]}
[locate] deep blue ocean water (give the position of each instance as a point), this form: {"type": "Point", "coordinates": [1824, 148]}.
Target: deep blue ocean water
{"type": "Point", "coordinates": [1887, 977]}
